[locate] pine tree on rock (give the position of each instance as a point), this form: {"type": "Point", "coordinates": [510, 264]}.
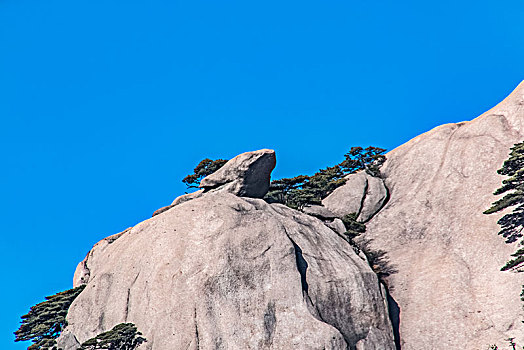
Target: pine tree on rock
{"type": "Point", "coordinates": [123, 336]}
{"type": "Point", "coordinates": [204, 168]}
{"type": "Point", "coordinates": [369, 159]}
{"type": "Point", "coordinates": [303, 190]}
{"type": "Point", "coordinates": [512, 223]}
{"type": "Point", "coordinates": [44, 322]}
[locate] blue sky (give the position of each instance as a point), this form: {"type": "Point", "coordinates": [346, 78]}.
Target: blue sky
{"type": "Point", "coordinates": [106, 105]}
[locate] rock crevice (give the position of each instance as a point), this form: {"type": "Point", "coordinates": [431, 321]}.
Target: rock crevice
{"type": "Point", "coordinates": [447, 254]}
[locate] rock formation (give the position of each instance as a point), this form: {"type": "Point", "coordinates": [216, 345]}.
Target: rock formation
{"type": "Point", "coordinates": [449, 287]}
{"type": "Point", "coordinates": [222, 271]}
{"type": "Point", "coordinates": [246, 175]}
{"type": "Point", "coordinates": [363, 194]}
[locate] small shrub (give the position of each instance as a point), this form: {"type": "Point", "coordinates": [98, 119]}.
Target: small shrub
{"type": "Point", "coordinates": [353, 227]}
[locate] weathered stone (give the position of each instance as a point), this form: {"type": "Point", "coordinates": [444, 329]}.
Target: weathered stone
{"type": "Point", "coordinates": [222, 271]}
{"type": "Point", "coordinates": [246, 175]}
{"type": "Point", "coordinates": [161, 210]}
{"type": "Point", "coordinates": [347, 199]}
{"type": "Point", "coordinates": [336, 225]}
{"type": "Point", "coordinates": [82, 272]}
{"type": "Point", "coordinates": [362, 194]}
{"type": "Point", "coordinates": [187, 197]}
{"type": "Point", "coordinates": [449, 287]}
{"type": "Point", "coordinates": [319, 211]}
{"type": "Point", "coordinates": [67, 340]}
{"type": "Point", "coordinates": [375, 198]}
{"type": "Point", "coordinates": [179, 200]}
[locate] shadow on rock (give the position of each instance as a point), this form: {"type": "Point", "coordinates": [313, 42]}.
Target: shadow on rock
{"type": "Point", "coordinates": [378, 260]}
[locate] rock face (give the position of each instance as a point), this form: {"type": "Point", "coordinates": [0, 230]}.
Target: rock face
{"type": "Point", "coordinates": [187, 197]}
{"type": "Point", "coordinates": [362, 194]}
{"type": "Point", "coordinates": [227, 272]}
{"type": "Point", "coordinates": [246, 175]}
{"type": "Point", "coordinates": [449, 287]}
{"type": "Point", "coordinates": [319, 211]}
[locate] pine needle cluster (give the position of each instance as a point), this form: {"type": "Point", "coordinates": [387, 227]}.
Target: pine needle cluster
{"type": "Point", "coordinates": [123, 336]}
{"type": "Point", "coordinates": [512, 223]}
{"type": "Point", "coordinates": [44, 322]}
{"type": "Point", "coordinates": [301, 190]}
{"type": "Point", "coordinates": [204, 168]}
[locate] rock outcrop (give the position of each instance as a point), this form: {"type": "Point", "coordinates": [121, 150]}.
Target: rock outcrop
{"type": "Point", "coordinates": [246, 175]}
{"type": "Point", "coordinates": [362, 194]}
{"type": "Point", "coordinates": [222, 271]}
{"type": "Point", "coordinates": [449, 287]}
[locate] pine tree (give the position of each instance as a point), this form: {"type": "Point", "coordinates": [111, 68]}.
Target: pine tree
{"type": "Point", "coordinates": [123, 336]}
{"type": "Point", "coordinates": [369, 159]}
{"type": "Point", "coordinates": [302, 190]}
{"type": "Point", "coordinates": [512, 223]}
{"type": "Point", "coordinates": [204, 168]}
{"type": "Point", "coordinates": [44, 322]}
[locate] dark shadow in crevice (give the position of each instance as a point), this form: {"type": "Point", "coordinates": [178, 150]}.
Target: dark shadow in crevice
{"type": "Point", "coordinates": [301, 266]}
{"type": "Point", "coordinates": [378, 260]}
{"type": "Point", "coordinates": [394, 316]}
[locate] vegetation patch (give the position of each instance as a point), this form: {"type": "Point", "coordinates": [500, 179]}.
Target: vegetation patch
{"type": "Point", "coordinates": [512, 224]}
{"type": "Point", "coordinates": [123, 336]}
{"type": "Point", "coordinates": [302, 190]}
{"type": "Point", "coordinates": [44, 322]}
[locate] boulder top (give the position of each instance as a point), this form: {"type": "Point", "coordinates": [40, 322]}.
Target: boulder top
{"type": "Point", "coordinates": [246, 175]}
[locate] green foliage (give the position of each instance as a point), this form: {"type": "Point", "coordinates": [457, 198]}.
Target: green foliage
{"type": "Point", "coordinates": [286, 190]}
{"type": "Point", "coordinates": [298, 191]}
{"type": "Point", "coordinates": [369, 159]}
{"type": "Point", "coordinates": [44, 322]}
{"type": "Point", "coordinates": [123, 336]}
{"type": "Point", "coordinates": [514, 263]}
{"type": "Point", "coordinates": [204, 168]}
{"type": "Point", "coordinates": [511, 224]}
{"type": "Point", "coordinates": [353, 227]}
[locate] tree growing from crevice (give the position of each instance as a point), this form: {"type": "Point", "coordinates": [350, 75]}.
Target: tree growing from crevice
{"type": "Point", "coordinates": [123, 336]}
{"type": "Point", "coordinates": [512, 223]}
{"type": "Point", "coordinates": [377, 259]}
{"type": "Point", "coordinates": [353, 227]}
{"type": "Point", "coordinates": [204, 168]}
{"type": "Point", "coordinates": [369, 159]}
{"type": "Point", "coordinates": [46, 320]}
{"type": "Point", "coordinates": [302, 190]}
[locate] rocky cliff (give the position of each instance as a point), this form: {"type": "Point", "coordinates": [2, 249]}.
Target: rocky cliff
{"type": "Point", "coordinates": [223, 269]}
{"type": "Point", "coordinates": [449, 287]}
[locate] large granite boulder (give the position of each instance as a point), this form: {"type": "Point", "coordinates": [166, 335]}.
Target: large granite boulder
{"type": "Point", "coordinates": [362, 194]}
{"type": "Point", "coordinates": [449, 287]}
{"type": "Point", "coordinates": [246, 175]}
{"type": "Point", "coordinates": [228, 272]}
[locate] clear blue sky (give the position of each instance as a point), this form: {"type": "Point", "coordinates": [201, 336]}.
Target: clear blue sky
{"type": "Point", "coordinates": [106, 105]}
